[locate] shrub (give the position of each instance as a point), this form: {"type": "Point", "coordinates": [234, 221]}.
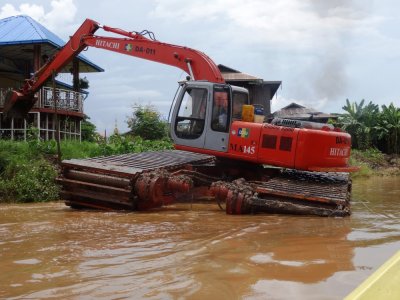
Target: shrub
{"type": "Point", "coordinates": [88, 130]}
{"type": "Point", "coordinates": [147, 123]}
{"type": "Point", "coordinates": [32, 181]}
{"type": "Point", "coordinates": [27, 173]}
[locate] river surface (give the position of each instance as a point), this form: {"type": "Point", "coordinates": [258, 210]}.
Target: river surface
{"type": "Point", "coordinates": [196, 252]}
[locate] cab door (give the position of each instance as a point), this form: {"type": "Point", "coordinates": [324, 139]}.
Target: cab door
{"type": "Point", "coordinates": [218, 124]}
{"type": "Point", "coordinates": [189, 118]}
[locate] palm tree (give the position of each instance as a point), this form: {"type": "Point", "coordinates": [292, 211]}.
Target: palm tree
{"type": "Point", "coordinates": [388, 128]}
{"type": "Point", "coordinates": [360, 122]}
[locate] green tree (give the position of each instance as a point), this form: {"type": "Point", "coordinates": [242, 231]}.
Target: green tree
{"type": "Point", "coordinates": [88, 130]}
{"type": "Point", "coordinates": [360, 121]}
{"type": "Point", "coordinates": [147, 123]}
{"type": "Point", "coordinates": [388, 128]}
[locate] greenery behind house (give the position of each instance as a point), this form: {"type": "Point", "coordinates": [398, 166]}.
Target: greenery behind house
{"type": "Point", "coordinates": [372, 127]}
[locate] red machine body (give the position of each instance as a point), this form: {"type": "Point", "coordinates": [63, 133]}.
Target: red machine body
{"type": "Point", "coordinates": [295, 148]}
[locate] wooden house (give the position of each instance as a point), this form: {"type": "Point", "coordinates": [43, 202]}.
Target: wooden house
{"type": "Point", "coordinates": [25, 45]}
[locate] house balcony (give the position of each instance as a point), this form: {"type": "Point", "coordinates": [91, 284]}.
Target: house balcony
{"type": "Point", "coordinates": [68, 102]}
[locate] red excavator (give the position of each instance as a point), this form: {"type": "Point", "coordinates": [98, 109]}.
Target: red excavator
{"type": "Point", "coordinates": [284, 166]}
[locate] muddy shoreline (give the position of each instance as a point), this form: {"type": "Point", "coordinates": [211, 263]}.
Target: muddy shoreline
{"type": "Point", "coordinates": [383, 165]}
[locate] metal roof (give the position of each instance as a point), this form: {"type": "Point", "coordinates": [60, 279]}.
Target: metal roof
{"type": "Point", "coordinates": [239, 77]}
{"type": "Point", "coordinates": [231, 76]}
{"type": "Point", "coordinates": [297, 111]}
{"type": "Point", "coordinates": [226, 69]}
{"type": "Point", "coordinates": [19, 33]}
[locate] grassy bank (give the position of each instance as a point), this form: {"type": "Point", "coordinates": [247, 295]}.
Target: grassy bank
{"type": "Point", "coordinates": [28, 170]}
{"type": "Point", "coordinates": [372, 162]}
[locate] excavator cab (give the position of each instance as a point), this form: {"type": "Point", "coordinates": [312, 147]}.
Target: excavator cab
{"type": "Point", "coordinates": [203, 114]}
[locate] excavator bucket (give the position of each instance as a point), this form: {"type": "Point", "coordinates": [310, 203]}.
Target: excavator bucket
{"type": "Point", "coordinates": [17, 105]}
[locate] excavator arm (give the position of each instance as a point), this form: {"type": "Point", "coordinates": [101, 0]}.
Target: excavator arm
{"type": "Point", "coordinates": [195, 63]}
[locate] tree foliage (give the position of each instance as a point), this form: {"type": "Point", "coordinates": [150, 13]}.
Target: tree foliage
{"type": "Point", "coordinates": [88, 130]}
{"type": "Point", "coordinates": [388, 128]}
{"type": "Point", "coordinates": [359, 122]}
{"type": "Point", "coordinates": [371, 126]}
{"type": "Point", "coordinates": [147, 123]}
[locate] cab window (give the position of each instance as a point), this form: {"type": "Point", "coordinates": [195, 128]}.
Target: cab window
{"type": "Point", "coordinates": [239, 99]}
{"type": "Point", "coordinates": [192, 113]}
{"type": "Point", "coordinates": [221, 108]}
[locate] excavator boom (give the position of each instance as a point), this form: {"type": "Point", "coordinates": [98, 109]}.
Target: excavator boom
{"type": "Point", "coordinates": [195, 63]}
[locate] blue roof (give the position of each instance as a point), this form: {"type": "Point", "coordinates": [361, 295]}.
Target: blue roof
{"type": "Point", "coordinates": [24, 30]}
{"type": "Point", "coordinates": [19, 30]}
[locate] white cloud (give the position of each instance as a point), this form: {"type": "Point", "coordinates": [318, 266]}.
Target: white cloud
{"type": "Point", "coordinates": [33, 10]}
{"type": "Point", "coordinates": [59, 18]}
{"type": "Point", "coordinates": [296, 24]}
{"type": "Point", "coordinates": [314, 38]}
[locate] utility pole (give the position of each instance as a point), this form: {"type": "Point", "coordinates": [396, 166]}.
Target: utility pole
{"type": "Point", "coordinates": [53, 77]}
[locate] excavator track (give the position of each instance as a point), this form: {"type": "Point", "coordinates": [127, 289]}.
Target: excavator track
{"type": "Point", "coordinates": [323, 188]}
{"type": "Point", "coordinates": [291, 191]}
{"type": "Point", "coordinates": [299, 192]}
{"type": "Point", "coordinates": [135, 181]}
{"type": "Point", "coordinates": [147, 180]}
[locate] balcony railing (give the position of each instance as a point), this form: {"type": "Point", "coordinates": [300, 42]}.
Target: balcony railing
{"type": "Point", "coordinates": [66, 100]}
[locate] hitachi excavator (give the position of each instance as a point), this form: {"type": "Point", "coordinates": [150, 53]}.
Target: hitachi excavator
{"type": "Point", "coordinates": [284, 166]}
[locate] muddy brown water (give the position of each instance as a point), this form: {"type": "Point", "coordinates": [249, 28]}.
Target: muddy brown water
{"type": "Point", "coordinates": [196, 252]}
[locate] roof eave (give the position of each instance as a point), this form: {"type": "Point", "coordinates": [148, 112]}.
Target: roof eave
{"type": "Point", "coordinates": [30, 42]}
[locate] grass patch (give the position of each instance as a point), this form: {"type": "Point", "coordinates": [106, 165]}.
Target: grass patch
{"type": "Point", "coordinates": [372, 157]}
{"type": "Point", "coordinates": [25, 175]}
{"type": "Point", "coordinates": [372, 162]}
{"type": "Point", "coordinates": [32, 181]}
{"type": "Point", "coordinates": [28, 172]}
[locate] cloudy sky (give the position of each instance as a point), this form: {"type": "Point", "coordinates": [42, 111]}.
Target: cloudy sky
{"type": "Point", "coordinates": [322, 51]}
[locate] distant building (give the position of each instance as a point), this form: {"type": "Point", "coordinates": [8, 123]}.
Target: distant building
{"type": "Point", "coordinates": [296, 111]}
{"type": "Point", "coordinates": [25, 45]}
{"type": "Point", "coordinates": [260, 91]}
